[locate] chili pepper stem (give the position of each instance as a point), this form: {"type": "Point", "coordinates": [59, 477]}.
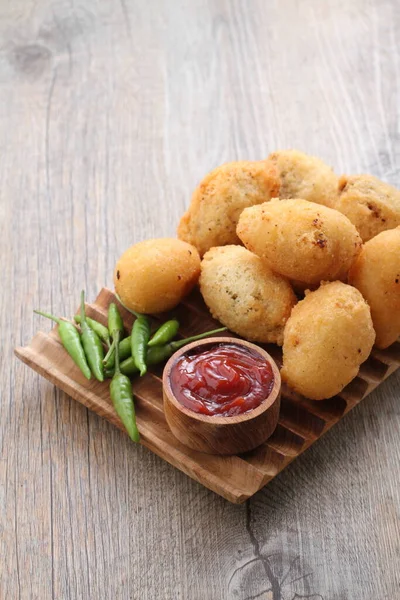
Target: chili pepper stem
{"type": "Point", "coordinates": [116, 337]}
{"type": "Point", "coordinates": [133, 312]}
{"type": "Point", "coordinates": [48, 316]}
{"type": "Point", "coordinates": [110, 350]}
{"type": "Point", "coordinates": [179, 343]}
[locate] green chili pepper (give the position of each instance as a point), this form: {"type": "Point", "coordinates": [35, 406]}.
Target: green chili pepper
{"type": "Point", "coordinates": [91, 344]}
{"type": "Point", "coordinates": [124, 352]}
{"type": "Point", "coordinates": [109, 373]}
{"type": "Point", "coordinates": [122, 396]}
{"type": "Point", "coordinates": [139, 339]}
{"type": "Point", "coordinates": [165, 333]}
{"type": "Point", "coordinates": [115, 324]}
{"type": "Point", "coordinates": [101, 331]}
{"type": "Point", "coordinates": [71, 341]}
{"type": "Point", "coordinates": [127, 367]}
{"type": "Point", "coordinates": [158, 354]}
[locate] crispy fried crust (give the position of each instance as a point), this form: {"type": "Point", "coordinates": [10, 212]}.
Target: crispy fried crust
{"type": "Point", "coordinates": [370, 204]}
{"type": "Point", "coordinates": [244, 294]}
{"type": "Point", "coordinates": [304, 176]}
{"type": "Point", "coordinates": [327, 337]}
{"type": "Point", "coordinates": [153, 276]}
{"type": "Point", "coordinates": [376, 273]}
{"type": "Point", "coordinates": [300, 240]}
{"type": "Point", "coordinates": [220, 198]}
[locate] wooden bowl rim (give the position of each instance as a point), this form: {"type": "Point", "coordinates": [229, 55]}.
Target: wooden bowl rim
{"type": "Point", "coordinates": [219, 420]}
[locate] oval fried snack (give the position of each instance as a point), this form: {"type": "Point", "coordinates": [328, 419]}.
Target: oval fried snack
{"type": "Point", "coordinates": [327, 337]}
{"type": "Point", "coordinates": [304, 176]}
{"type": "Point", "coordinates": [376, 273]}
{"type": "Point", "coordinates": [155, 275]}
{"type": "Point", "coordinates": [244, 294]}
{"type": "Point", "coordinates": [370, 204]}
{"type": "Point", "coordinates": [300, 240]}
{"type": "Point", "coordinates": [220, 198]}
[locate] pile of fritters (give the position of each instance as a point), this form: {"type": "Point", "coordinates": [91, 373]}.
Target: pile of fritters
{"type": "Point", "coordinates": [304, 229]}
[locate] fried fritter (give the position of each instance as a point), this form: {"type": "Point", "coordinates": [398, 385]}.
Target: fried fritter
{"type": "Point", "coordinates": [300, 240]}
{"type": "Point", "coordinates": [153, 276]}
{"type": "Point", "coordinates": [370, 204]}
{"type": "Point", "coordinates": [326, 338]}
{"type": "Point", "coordinates": [220, 198]}
{"type": "Point", "coordinates": [304, 176]}
{"type": "Point", "coordinates": [376, 273]}
{"type": "Point", "coordinates": [244, 294]}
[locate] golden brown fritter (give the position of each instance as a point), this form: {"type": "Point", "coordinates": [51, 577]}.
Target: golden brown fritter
{"type": "Point", "coordinates": [370, 204]}
{"type": "Point", "coordinates": [376, 273]}
{"type": "Point", "coordinates": [220, 198]}
{"type": "Point", "coordinates": [304, 176]}
{"type": "Point", "coordinates": [300, 240]}
{"type": "Point", "coordinates": [244, 294]}
{"type": "Point", "coordinates": [326, 338]}
{"type": "Point", "coordinates": [153, 276]}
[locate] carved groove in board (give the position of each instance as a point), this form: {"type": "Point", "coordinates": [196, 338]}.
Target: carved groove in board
{"type": "Point", "coordinates": [285, 441]}
{"type": "Point", "coordinates": [267, 459]}
{"type": "Point", "coordinates": [196, 300]}
{"type": "Point", "coordinates": [329, 410]}
{"type": "Point", "coordinates": [373, 370]}
{"type": "Point", "coordinates": [301, 421]}
{"type": "Point", "coordinates": [390, 355]}
{"type": "Point", "coordinates": [353, 393]}
{"type": "Point", "coordinates": [148, 389]}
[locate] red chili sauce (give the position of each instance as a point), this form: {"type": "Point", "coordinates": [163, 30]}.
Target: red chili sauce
{"type": "Point", "coordinates": [223, 380]}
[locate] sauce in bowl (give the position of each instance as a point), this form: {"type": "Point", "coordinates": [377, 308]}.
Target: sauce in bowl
{"type": "Point", "coordinates": [225, 379]}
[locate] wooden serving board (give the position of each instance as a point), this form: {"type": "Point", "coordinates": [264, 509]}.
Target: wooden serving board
{"type": "Point", "coordinates": [236, 478]}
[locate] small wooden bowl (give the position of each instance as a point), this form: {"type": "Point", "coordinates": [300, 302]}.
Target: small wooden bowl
{"type": "Point", "coordinates": [215, 434]}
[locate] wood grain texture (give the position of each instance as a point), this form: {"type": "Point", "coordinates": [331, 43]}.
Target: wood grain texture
{"type": "Point", "coordinates": [246, 471]}
{"type": "Point", "coordinates": [111, 112]}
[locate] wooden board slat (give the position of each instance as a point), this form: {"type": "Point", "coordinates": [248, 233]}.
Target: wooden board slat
{"type": "Point", "coordinates": [236, 478]}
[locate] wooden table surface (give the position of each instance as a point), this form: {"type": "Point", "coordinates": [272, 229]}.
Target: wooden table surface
{"type": "Point", "coordinates": [111, 112]}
